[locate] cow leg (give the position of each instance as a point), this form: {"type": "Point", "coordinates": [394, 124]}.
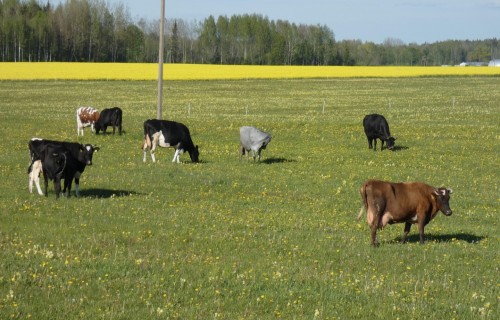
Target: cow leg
{"type": "Point", "coordinates": [67, 187]}
{"type": "Point", "coordinates": [421, 225]}
{"type": "Point", "coordinates": [373, 229]}
{"type": "Point", "coordinates": [35, 176]}
{"type": "Point", "coordinates": [242, 152]}
{"type": "Point", "coordinates": [373, 221]}
{"type": "Point", "coordinates": [407, 230]}
{"type": "Point", "coordinates": [77, 188]}
{"type": "Point", "coordinates": [375, 212]}
{"type": "Point", "coordinates": [154, 145]}
{"type": "Point", "coordinates": [57, 187]}
{"type": "Point", "coordinates": [144, 149]}
{"type": "Point", "coordinates": [120, 129]}
{"type": "Point", "coordinates": [30, 182]}
{"type": "Point", "coordinates": [370, 146]}
{"type": "Point", "coordinates": [46, 184]}
{"type": "Point", "coordinates": [375, 144]}
{"type": "Point", "coordinates": [177, 155]}
{"type": "Point", "coordinates": [77, 184]}
{"type": "Point", "coordinates": [258, 154]}
{"type": "Point", "coordinates": [31, 177]}
{"type": "Point", "coordinates": [254, 155]}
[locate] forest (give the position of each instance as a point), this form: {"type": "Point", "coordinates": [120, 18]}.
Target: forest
{"type": "Point", "coordinates": [95, 31]}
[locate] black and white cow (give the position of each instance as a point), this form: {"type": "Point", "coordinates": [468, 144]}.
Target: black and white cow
{"type": "Point", "coordinates": [253, 139]}
{"type": "Point", "coordinates": [109, 117]}
{"type": "Point", "coordinates": [376, 127]}
{"type": "Point", "coordinates": [167, 134]}
{"type": "Point", "coordinates": [79, 155]}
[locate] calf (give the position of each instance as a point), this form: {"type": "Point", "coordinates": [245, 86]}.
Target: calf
{"type": "Point", "coordinates": [253, 139]}
{"type": "Point", "coordinates": [86, 117]}
{"type": "Point", "coordinates": [166, 134]}
{"type": "Point", "coordinates": [376, 127]}
{"type": "Point", "coordinates": [410, 202]}
{"type": "Point", "coordinates": [109, 117]}
{"type": "Point", "coordinates": [82, 153]}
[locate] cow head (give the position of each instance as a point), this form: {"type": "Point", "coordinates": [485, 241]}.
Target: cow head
{"type": "Point", "coordinates": [194, 154]}
{"type": "Point", "coordinates": [98, 126]}
{"type": "Point", "coordinates": [390, 142]}
{"type": "Point", "coordinates": [442, 196]}
{"type": "Point", "coordinates": [87, 151]}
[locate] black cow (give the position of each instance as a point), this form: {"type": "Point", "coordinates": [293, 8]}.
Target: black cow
{"type": "Point", "coordinates": [166, 134]}
{"type": "Point", "coordinates": [56, 162]}
{"type": "Point", "coordinates": [109, 117]}
{"type": "Point", "coordinates": [376, 127]}
{"type": "Point", "coordinates": [79, 154]}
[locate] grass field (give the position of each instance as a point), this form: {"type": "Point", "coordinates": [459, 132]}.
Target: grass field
{"type": "Point", "coordinates": [225, 239]}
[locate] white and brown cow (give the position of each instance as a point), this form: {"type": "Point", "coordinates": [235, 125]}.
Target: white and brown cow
{"type": "Point", "coordinates": [86, 117]}
{"type": "Point", "coordinates": [410, 202]}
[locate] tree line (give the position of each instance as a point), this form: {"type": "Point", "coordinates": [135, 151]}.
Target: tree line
{"type": "Point", "coordinates": [93, 31]}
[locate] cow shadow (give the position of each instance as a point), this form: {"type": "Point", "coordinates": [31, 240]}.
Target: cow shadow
{"type": "Point", "coordinates": [400, 148]}
{"type": "Point", "coordinates": [106, 193]}
{"type": "Point", "coordinates": [110, 133]}
{"type": "Point", "coordinates": [276, 160]}
{"type": "Point", "coordinates": [465, 237]}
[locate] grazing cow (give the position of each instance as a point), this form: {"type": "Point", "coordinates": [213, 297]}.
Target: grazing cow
{"type": "Point", "coordinates": [410, 202]}
{"type": "Point", "coordinates": [376, 127]}
{"type": "Point", "coordinates": [253, 139]}
{"type": "Point", "coordinates": [167, 134]}
{"type": "Point", "coordinates": [86, 117]}
{"type": "Point", "coordinates": [109, 117]}
{"type": "Point", "coordinates": [81, 154]}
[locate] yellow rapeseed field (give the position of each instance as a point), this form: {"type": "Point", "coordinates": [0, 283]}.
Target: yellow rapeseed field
{"type": "Point", "coordinates": [149, 71]}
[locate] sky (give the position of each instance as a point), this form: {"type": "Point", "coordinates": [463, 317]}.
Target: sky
{"type": "Point", "coordinates": [411, 21]}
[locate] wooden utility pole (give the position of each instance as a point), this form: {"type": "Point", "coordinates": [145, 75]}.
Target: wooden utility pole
{"type": "Point", "coordinates": [160, 61]}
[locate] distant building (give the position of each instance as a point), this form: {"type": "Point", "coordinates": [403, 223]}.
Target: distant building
{"type": "Point", "coordinates": [494, 63]}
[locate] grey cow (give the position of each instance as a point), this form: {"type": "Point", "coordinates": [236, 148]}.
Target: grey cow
{"type": "Point", "coordinates": [253, 139]}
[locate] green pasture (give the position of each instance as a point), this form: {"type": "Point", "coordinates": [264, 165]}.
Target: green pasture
{"type": "Point", "coordinates": [224, 239]}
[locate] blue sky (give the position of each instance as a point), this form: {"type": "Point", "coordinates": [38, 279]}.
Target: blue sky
{"type": "Point", "coordinates": [417, 21]}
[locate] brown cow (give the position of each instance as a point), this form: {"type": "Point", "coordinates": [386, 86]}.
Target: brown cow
{"type": "Point", "coordinates": [410, 202]}
{"type": "Point", "coordinates": [86, 117]}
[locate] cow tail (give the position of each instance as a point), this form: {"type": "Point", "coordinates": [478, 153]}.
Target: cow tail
{"type": "Point", "coordinates": [146, 142]}
{"type": "Point", "coordinates": [147, 139]}
{"type": "Point", "coordinates": [362, 192]}
{"type": "Point", "coordinates": [30, 168]}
